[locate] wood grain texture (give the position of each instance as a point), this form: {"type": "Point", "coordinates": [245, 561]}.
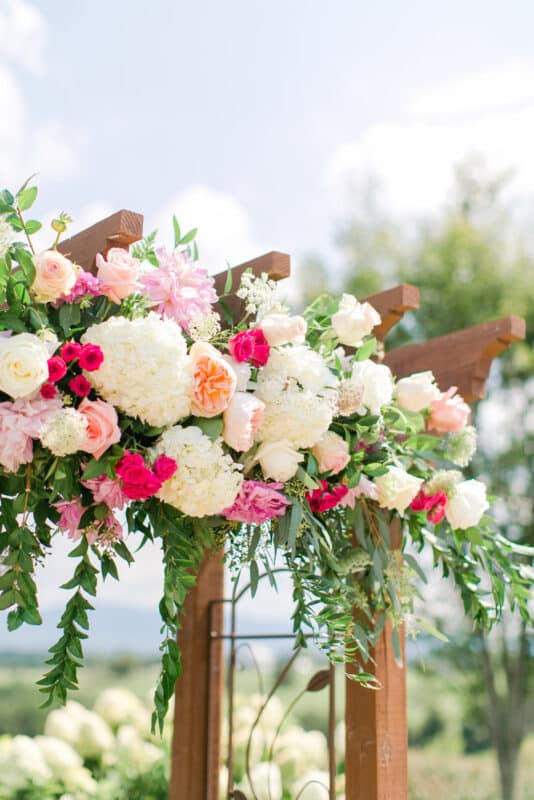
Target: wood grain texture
{"type": "Point", "coordinates": [392, 305]}
{"type": "Point", "coordinates": [461, 359]}
{"type": "Point", "coordinates": [196, 743]}
{"type": "Point", "coordinates": [118, 230]}
{"type": "Point", "coordinates": [276, 265]}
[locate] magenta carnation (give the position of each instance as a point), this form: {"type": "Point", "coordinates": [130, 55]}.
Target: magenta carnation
{"type": "Point", "coordinates": [326, 497]}
{"type": "Point", "coordinates": [257, 502]}
{"type": "Point", "coordinates": [20, 422]}
{"type": "Point", "coordinates": [179, 289]}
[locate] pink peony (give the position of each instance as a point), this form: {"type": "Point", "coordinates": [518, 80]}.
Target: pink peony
{"type": "Point", "coordinates": [86, 284]}
{"type": "Point", "coordinates": [449, 413]}
{"type": "Point", "coordinates": [326, 497]}
{"type": "Point", "coordinates": [365, 488]}
{"type": "Point", "coordinates": [20, 422]}
{"type": "Point", "coordinates": [118, 273]}
{"type": "Point", "coordinates": [179, 289]}
{"type": "Point", "coordinates": [242, 419]}
{"type": "Point", "coordinates": [250, 346]}
{"type": "Point", "coordinates": [91, 357]}
{"type": "Point", "coordinates": [71, 512]}
{"type": "Point", "coordinates": [102, 426]}
{"type": "Point", "coordinates": [106, 490]}
{"type": "Point", "coordinates": [257, 502]}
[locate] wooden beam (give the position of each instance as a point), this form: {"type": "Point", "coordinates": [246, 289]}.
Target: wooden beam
{"type": "Point", "coordinates": [392, 305]}
{"type": "Point", "coordinates": [461, 359]}
{"type": "Point", "coordinates": [118, 230]}
{"type": "Point", "coordinates": [276, 265]}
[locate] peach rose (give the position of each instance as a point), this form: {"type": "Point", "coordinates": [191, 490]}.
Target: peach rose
{"type": "Point", "coordinates": [214, 381]}
{"type": "Point", "coordinates": [449, 413]}
{"type": "Point", "coordinates": [242, 419]}
{"type": "Point", "coordinates": [118, 272]}
{"type": "Point", "coordinates": [331, 452]}
{"type": "Point", "coordinates": [55, 276]}
{"type": "Point", "coordinates": [283, 328]}
{"type": "Point", "coordinates": [102, 426]}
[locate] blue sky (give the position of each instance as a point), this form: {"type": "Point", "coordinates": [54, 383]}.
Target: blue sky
{"type": "Point", "coordinates": [258, 121]}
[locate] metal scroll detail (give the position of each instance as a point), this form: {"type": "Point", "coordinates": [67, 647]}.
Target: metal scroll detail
{"type": "Point", "coordinates": [324, 679]}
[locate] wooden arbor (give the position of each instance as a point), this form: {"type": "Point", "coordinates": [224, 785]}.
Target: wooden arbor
{"type": "Point", "coordinates": [376, 725]}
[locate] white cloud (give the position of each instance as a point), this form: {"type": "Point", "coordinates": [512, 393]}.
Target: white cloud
{"type": "Point", "coordinates": [224, 227]}
{"type": "Point", "coordinates": [490, 113]}
{"type": "Point", "coordinates": [22, 33]}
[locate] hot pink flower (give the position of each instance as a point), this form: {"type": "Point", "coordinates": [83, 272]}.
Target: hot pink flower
{"type": "Point", "coordinates": [86, 284]}
{"type": "Point", "coordinates": [138, 482]}
{"type": "Point", "coordinates": [48, 391]}
{"type": "Point", "coordinates": [449, 413]}
{"type": "Point", "coordinates": [71, 512]}
{"type": "Point", "coordinates": [20, 422]}
{"type": "Point", "coordinates": [80, 386]}
{"type": "Point", "coordinates": [257, 502]}
{"type": "Point", "coordinates": [70, 351]}
{"type": "Point", "coordinates": [179, 289]}
{"type": "Point", "coordinates": [57, 369]}
{"type": "Point", "coordinates": [164, 467]}
{"type": "Point", "coordinates": [433, 504]}
{"type": "Point", "coordinates": [326, 497]}
{"type": "Point", "coordinates": [91, 357]}
{"type": "Point", "coordinates": [106, 490]}
{"type": "Point", "coordinates": [250, 346]}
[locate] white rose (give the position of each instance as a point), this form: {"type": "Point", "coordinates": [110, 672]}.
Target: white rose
{"type": "Point", "coordinates": [23, 364]}
{"type": "Point", "coordinates": [283, 328]}
{"type": "Point", "coordinates": [397, 488]}
{"type": "Point", "coordinates": [417, 391]}
{"type": "Point", "coordinates": [331, 452]}
{"type": "Point", "coordinates": [354, 321]}
{"type": "Point", "coordinates": [467, 505]}
{"type": "Point", "coordinates": [278, 460]}
{"type": "Point", "coordinates": [374, 382]}
{"type": "Point", "coordinates": [55, 276]}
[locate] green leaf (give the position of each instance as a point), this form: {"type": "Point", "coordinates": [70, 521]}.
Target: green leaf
{"type": "Point", "coordinates": [254, 577]}
{"type": "Point", "coordinates": [26, 264]}
{"type": "Point", "coordinates": [32, 226]}
{"type": "Point", "coordinates": [177, 231]}
{"type": "Point", "coordinates": [213, 427]}
{"type": "Point", "coordinates": [7, 198]}
{"type": "Point", "coordinates": [366, 350]}
{"type": "Point", "coordinates": [395, 640]}
{"type": "Point", "coordinates": [431, 629]}
{"type": "Point", "coordinates": [229, 280]}
{"type": "Point", "coordinates": [26, 198]}
{"type": "Point", "coordinates": [94, 468]}
{"type": "Point", "coordinates": [189, 236]}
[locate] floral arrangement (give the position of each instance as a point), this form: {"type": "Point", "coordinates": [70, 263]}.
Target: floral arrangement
{"type": "Point", "coordinates": [133, 408]}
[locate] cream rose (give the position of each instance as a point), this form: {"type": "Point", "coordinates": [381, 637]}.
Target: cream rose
{"type": "Point", "coordinates": [397, 488]}
{"type": "Point", "coordinates": [55, 276]}
{"type": "Point", "coordinates": [283, 328]}
{"type": "Point", "coordinates": [242, 419]}
{"type": "Point", "coordinates": [374, 384]}
{"type": "Point", "coordinates": [417, 391]}
{"type": "Point", "coordinates": [467, 505]}
{"type": "Point", "coordinates": [278, 460]}
{"type": "Point", "coordinates": [331, 452]}
{"type": "Point", "coordinates": [23, 364]}
{"type": "Point", "coordinates": [354, 321]}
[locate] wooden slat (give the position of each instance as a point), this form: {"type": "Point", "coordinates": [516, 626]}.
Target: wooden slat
{"type": "Point", "coordinates": [276, 265]}
{"type": "Point", "coordinates": [118, 230]}
{"type": "Point", "coordinates": [392, 305]}
{"type": "Point", "coordinates": [461, 359]}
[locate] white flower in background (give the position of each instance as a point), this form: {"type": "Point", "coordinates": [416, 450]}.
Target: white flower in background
{"type": "Point", "coordinates": [21, 761]}
{"type": "Point", "coordinates": [339, 740]}
{"type": "Point", "coordinates": [266, 780]}
{"type": "Point", "coordinates": [146, 370]}
{"type": "Point", "coordinates": [55, 276]}
{"type": "Point", "coordinates": [331, 452]}
{"type": "Point", "coordinates": [206, 481]}
{"type": "Point", "coordinates": [259, 295]}
{"type": "Point", "coordinates": [121, 707]}
{"type": "Point", "coordinates": [133, 750]}
{"type": "Point", "coordinates": [7, 235]}
{"type": "Point", "coordinates": [278, 460]}
{"type": "Point", "coordinates": [299, 392]}
{"type": "Point", "coordinates": [468, 504]}
{"type": "Point", "coordinates": [65, 432]}
{"type": "Point", "coordinates": [444, 480]}
{"type": "Point", "coordinates": [462, 446]}
{"type": "Point", "coordinates": [298, 751]}
{"type": "Point", "coordinates": [417, 391]}
{"type": "Point", "coordinates": [66, 764]}
{"type": "Point", "coordinates": [374, 382]}
{"type": "Point", "coordinates": [354, 321]}
{"type": "Point", "coordinates": [64, 723]}
{"type": "Point", "coordinates": [312, 786]}
{"type": "Point", "coordinates": [283, 328]}
{"type": "Point", "coordinates": [23, 364]}
{"type": "Point", "coordinates": [84, 730]}
{"type": "Point", "coordinates": [397, 488]}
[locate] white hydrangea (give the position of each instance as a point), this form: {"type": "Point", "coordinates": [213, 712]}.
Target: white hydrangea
{"type": "Point", "coordinates": [207, 480]}
{"type": "Point", "coordinates": [66, 764]}
{"type": "Point", "coordinates": [299, 392]}
{"type": "Point", "coordinates": [84, 730]}
{"type": "Point", "coordinates": [121, 707]}
{"type": "Point", "coordinates": [146, 370]}
{"type": "Point", "coordinates": [21, 761]}
{"type": "Point", "coordinates": [132, 749]}
{"type": "Point", "coordinates": [65, 432]}
{"type": "Point", "coordinates": [7, 235]}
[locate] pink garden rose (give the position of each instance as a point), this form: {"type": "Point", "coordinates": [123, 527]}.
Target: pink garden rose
{"type": "Point", "coordinates": [180, 289]}
{"type": "Point", "coordinates": [106, 490]}
{"type": "Point", "coordinates": [118, 273]}
{"type": "Point", "coordinates": [449, 413]}
{"type": "Point", "coordinates": [242, 419]}
{"type": "Point", "coordinates": [55, 276]}
{"type": "Point", "coordinates": [331, 452]}
{"type": "Point", "coordinates": [214, 381]}
{"type": "Point", "coordinates": [102, 426]}
{"type": "Point", "coordinates": [257, 502]}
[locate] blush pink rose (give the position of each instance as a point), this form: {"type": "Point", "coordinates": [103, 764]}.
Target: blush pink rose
{"type": "Point", "coordinates": [102, 426]}
{"type": "Point", "coordinates": [242, 419]}
{"type": "Point", "coordinates": [55, 276]}
{"type": "Point", "coordinates": [449, 413]}
{"type": "Point", "coordinates": [214, 381]}
{"type": "Point", "coordinates": [331, 452]}
{"type": "Point", "coordinates": [283, 328]}
{"type": "Point", "coordinates": [118, 272]}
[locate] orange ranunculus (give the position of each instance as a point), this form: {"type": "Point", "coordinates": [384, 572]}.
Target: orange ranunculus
{"type": "Point", "coordinates": [214, 381]}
